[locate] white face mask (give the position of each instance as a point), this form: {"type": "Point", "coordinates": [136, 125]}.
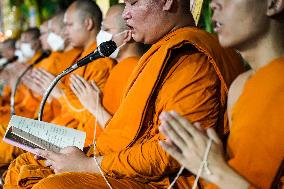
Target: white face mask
{"type": "Point", "coordinates": [20, 56]}
{"type": "Point", "coordinates": [27, 50]}
{"type": "Point", "coordinates": [104, 36]}
{"type": "Point", "coordinates": [55, 41]}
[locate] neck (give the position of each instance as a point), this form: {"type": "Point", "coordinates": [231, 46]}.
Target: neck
{"type": "Point", "coordinates": [184, 21]}
{"type": "Point", "coordinates": [265, 50]}
{"type": "Point", "coordinates": [91, 39]}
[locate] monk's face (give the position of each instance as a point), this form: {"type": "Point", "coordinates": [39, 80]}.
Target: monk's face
{"type": "Point", "coordinates": [240, 23]}
{"type": "Point", "coordinates": [145, 18]}
{"type": "Point", "coordinates": [110, 22]}
{"type": "Point", "coordinates": [44, 35]}
{"type": "Point", "coordinates": [75, 30]}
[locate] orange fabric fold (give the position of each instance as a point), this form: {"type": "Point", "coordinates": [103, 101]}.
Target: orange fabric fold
{"type": "Point", "coordinates": [112, 93]}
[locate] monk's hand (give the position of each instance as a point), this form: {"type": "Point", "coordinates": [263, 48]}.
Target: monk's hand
{"type": "Point", "coordinates": [69, 159]}
{"type": "Point", "coordinates": [87, 92]}
{"type": "Point", "coordinates": [187, 143]}
{"type": "Point", "coordinates": [43, 79]}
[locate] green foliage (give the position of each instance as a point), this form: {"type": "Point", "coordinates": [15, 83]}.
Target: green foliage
{"type": "Point", "coordinates": [205, 18]}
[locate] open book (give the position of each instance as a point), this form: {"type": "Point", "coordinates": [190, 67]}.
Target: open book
{"type": "Point", "coordinates": [29, 134]}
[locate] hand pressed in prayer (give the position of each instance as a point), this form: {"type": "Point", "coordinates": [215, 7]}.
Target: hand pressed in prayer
{"type": "Point", "coordinates": [69, 159]}
{"type": "Point", "coordinates": [187, 143]}
{"type": "Point", "coordinates": [86, 92]}
{"type": "Point", "coordinates": [43, 79]}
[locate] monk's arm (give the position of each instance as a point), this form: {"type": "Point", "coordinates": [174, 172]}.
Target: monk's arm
{"type": "Point", "coordinates": [71, 103]}
{"type": "Point", "coordinates": [194, 95]}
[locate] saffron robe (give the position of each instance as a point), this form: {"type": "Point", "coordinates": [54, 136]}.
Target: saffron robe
{"type": "Point", "coordinates": [186, 71]}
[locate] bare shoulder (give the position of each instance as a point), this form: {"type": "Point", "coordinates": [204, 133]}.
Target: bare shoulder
{"type": "Point", "coordinates": [236, 89]}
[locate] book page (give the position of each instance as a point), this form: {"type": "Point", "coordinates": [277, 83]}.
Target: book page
{"type": "Point", "coordinates": [49, 133]}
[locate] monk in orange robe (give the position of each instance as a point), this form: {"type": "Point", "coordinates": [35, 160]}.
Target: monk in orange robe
{"type": "Point", "coordinates": [97, 70]}
{"type": "Point", "coordinates": [255, 153]}
{"type": "Point", "coordinates": [32, 51]}
{"type": "Point", "coordinates": [185, 69]}
{"type": "Point", "coordinates": [55, 63]}
{"type": "Point", "coordinates": [127, 58]}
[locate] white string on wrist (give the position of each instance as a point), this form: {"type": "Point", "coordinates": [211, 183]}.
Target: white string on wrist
{"type": "Point", "coordinates": [95, 142]}
{"type": "Point", "coordinates": [177, 176]}
{"type": "Point", "coordinates": [204, 164]}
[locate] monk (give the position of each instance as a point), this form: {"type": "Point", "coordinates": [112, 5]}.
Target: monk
{"type": "Point", "coordinates": [8, 48]}
{"type": "Point", "coordinates": [185, 69]}
{"type": "Point", "coordinates": [31, 48]}
{"type": "Point", "coordinates": [109, 100]}
{"type": "Point", "coordinates": [256, 105]}
{"type": "Point", "coordinates": [57, 62]}
{"type": "Point", "coordinates": [79, 13]}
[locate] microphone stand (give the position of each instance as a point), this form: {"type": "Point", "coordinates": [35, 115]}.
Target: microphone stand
{"type": "Point", "coordinates": [14, 90]}
{"type": "Point", "coordinates": [51, 87]}
{"type": "Point", "coordinates": [104, 50]}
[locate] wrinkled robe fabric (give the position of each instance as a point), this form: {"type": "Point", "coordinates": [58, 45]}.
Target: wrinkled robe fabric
{"type": "Point", "coordinates": [111, 94]}
{"type": "Point", "coordinates": [186, 71]}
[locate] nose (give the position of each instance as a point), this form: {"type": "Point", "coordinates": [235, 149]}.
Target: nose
{"type": "Point", "coordinates": [126, 13]}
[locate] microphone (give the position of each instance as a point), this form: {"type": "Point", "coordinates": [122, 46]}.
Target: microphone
{"type": "Point", "coordinates": [44, 55]}
{"type": "Point", "coordinates": [3, 66]}
{"type": "Point", "coordinates": [103, 50]}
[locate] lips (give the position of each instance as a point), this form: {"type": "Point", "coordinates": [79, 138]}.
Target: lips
{"type": "Point", "coordinates": [130, 27]}
{"type": "Point", "coordinates": [217, 26]}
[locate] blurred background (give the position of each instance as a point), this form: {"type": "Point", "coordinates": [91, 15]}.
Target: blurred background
{"type": "Point", "coordinates": [18, 15]}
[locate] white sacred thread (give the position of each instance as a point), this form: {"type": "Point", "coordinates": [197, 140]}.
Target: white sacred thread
{"type": "Point", "coordinates": [95, 142]}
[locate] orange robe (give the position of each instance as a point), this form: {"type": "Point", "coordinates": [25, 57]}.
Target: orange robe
{"type": "Point", "coordinates": [256, 142]}
{"type": "Point", "coordinates": [112, 94]}
{"type": "Point", "coordinates": [21, 98]}
{"type": "Point", "coordinates": [55, 63]}
{"type": "Point", "coordinates": [186, 71]}
{"type": "Point", "coordinates": [255, 145]}
{"type": "Point", "coordinates": [98, 71]}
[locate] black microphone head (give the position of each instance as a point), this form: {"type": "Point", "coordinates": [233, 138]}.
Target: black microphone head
{"type": "Point", "coordinates": [107, 48]}
{"type": "Point", "coordinates": [46, 54]}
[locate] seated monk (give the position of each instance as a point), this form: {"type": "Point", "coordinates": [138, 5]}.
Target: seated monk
{"type": "Point", "coordinates": [31, 48]}
{"type": "Point", "coordinates": [57, 62]}
{"type": "Point", "coordinates": [255, 150]}
{"type": "Point", "coordinates": [185, 69]}
{"type": "Point", "coordinates": [8, 48]}
{"type": "Point", "coordinates": [127, 57]}
{"type": "Point", "coordinates": [80, 15]}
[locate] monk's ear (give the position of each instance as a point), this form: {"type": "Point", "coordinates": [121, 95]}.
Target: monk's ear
{"type": "Point", "coordinates": [275, 7]}
{"type": "Point", "coordinates": [89, 23]}
{"type": "Point", "coordinates": [168, 4]}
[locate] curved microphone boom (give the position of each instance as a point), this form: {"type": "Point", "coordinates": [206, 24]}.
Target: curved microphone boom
{"type": "Point", "coordinates": [14, 90]}
{"type": "Point", "coordinates": [103, 50]}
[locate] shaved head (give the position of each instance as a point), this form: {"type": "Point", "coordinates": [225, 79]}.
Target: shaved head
{"type": "Point", "coordinates": [8, 48]}
{"type": "Point", "coordinates": [88, 9]}
{"type": "Point", "coordinates": [116, 12]}
{"type": "Point", "coordinates": [82, 21]}
{"type": "Point", "coordinates": [9, 43]}
{"type": "Point", "coordinates": [57, 23]}
{"type": "Point", "coordinates": [34, 33]}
